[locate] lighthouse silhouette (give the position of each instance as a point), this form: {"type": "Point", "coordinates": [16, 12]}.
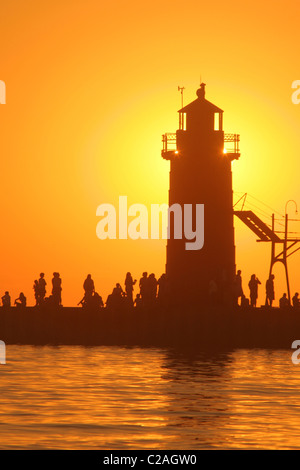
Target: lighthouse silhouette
{"type": "Point", "coordinates": [200, 157]}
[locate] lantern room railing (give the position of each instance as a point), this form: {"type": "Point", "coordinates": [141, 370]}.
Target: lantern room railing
{"type": "Point", "coordinates": [231, 145]}
{"type": "Point", "coordinates": [169, 142]}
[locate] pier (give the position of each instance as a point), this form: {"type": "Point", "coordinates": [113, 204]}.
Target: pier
{"type": "Point", "coordinates": [212, 329]}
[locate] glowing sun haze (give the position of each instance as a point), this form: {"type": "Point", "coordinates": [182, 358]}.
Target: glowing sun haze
{"type": "Point", "coordinates": [92, 86]}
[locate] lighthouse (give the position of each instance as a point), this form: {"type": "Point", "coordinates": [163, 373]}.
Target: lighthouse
{"type": "Point", "coordinates": [201, 156]}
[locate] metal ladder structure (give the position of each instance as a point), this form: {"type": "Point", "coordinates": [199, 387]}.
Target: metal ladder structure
{"type": "Point", "coordinates": [267, 234]}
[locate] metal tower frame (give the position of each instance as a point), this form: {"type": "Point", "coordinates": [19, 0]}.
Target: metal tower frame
{"type": "Point", "coordinates": [284, 254]}
{"type": "Point", "coordinates": [267, 234]}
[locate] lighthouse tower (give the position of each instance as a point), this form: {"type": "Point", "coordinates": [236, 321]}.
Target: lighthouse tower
{"type": "Point", "coordinates": [200, 157]}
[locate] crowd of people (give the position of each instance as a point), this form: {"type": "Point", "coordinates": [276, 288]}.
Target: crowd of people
{"type": "Point", "coordinates": [39, 288]}
{"type": "Point", "coordinates": [151, 291]}
{"type": "Point", "coordinates": [150, 288]}
{"type": "Point", "coordinates": [253, 293]}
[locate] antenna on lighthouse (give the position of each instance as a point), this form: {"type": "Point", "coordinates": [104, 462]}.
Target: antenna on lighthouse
{"type": "Point", "coordinates": [181, 91]}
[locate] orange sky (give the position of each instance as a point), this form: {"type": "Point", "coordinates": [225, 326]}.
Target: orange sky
{"type": "Point", "coordinates": [92, 85]}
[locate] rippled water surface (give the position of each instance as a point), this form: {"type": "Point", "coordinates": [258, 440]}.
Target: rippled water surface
{"type": "Point", "coordinates": [117, 398]}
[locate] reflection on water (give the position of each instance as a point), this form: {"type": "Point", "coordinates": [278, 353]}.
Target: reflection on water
{"type": "Point", "coordinates": [117, 398]}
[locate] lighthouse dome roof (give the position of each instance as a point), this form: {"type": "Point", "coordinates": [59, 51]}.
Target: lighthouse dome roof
{"type": "Point", "coordinates": [201, 104]}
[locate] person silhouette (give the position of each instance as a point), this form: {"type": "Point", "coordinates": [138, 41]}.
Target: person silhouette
{"type": "Point", "coordinates": [152, 287]}
{"type": "Point", "coordinates": [36, 291]}
{"type": "Point", "coordinates": [115, 300]}
{"type": "Point", "coordinates": [129, 283]}
{"type": "Point", "coordinates": [117, 291]}
{"type": "Point", "coordinates": [6, 299]}
{"type": "Point", "coordinates": [284, 301]}
{"type": "Point", "coordinates": [138, 301]}
{"type": "Point", "coordinates": [296, 300]}
{"type": "Point", "coordinates": [41, 288]}
{"type": "Point", "coordinates": [244, 301]}
{"type": "Point", "coordinates": [20, 301]}
{"type": "Point", "coordinates": [270, 293]}
{"type": "Point", "coordinates": [56, 289]}
{"type": "Point", "coordinates": [253, 287]}
{"type": "Point", "coordinates": [89, 288]}
{"type": "Point", "coordinates": [144, 287]}
{"type": "Point", "coordinates": [97, 301]}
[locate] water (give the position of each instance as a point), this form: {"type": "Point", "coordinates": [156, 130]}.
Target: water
{"type": "Point", "coordinates": [118, 398]}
